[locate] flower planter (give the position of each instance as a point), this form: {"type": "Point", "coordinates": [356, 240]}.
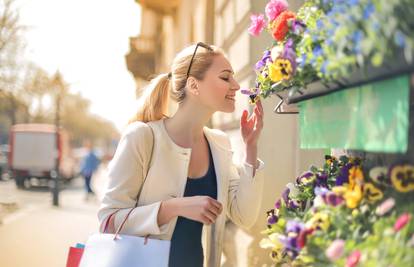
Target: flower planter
{"type": "Point", "coordinates": [356, 209]}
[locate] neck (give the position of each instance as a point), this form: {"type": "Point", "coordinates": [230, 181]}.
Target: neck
{"type": "Point", "coordinates": [186, 126]}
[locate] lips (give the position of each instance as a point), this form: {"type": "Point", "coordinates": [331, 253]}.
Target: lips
{"type": "Point", "coordinates": [231, 97]}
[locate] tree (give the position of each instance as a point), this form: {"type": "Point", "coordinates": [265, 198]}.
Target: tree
{"type": "Point", "coordinates": [11, 46]}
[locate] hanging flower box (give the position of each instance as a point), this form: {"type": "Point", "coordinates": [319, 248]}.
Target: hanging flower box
{"type": "Point", "coordinates": [330, 45]}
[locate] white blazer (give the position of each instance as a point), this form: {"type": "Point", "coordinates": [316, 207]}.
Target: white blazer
{"type": "Point", "coordinates": [237, 190]}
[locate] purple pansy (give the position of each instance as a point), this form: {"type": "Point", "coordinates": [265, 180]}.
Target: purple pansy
{"type": "Point", "coordinates": [342, 178]}
{"type": "Point", "coordinates": [252, 93]}
{"type": "Point", "coordinates": [304, 177]}
{"type": "Point", "coordinates": [333, 199]}
{"type": "Point", "coordinates": [322, 179]}
{"type": "Point", "coordinates": [285, 195]}
{"type": "Point", "coordinates": [293, 205]}
{"type": "Point", "coordinates": [294, 226]}
{"type": "Point", "coordinates": [290, 244]}
{"type": "Point", "coordinates": [271, 217]}
{"type": "Point", "coordinates": [329, 197]}
{"type": "Point", "coordinates": [265, 59]}
{"type": "Point", "coordinates": [290, 54]}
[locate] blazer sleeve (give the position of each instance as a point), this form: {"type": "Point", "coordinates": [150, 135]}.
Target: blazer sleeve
{"type": "Point", "coordinates": [125, 177]}
{"type": "Point", "coordinates": [245, 193]}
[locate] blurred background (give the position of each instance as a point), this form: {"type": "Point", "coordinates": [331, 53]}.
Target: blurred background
{"type": "Point", "coordinates": [70, 75]}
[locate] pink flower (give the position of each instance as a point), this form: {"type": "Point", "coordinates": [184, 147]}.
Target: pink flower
{"type": "Point", "coordinates": [335, 250]}
{"type": "Point", "coordinates": [257, 24]}
{"type": "Point", "coordinates": [353, 259]}
{"type": "Point", "coordinates": [385, 206]}
{"type": "Point", "coordinates": [274, 8]}
{"type": "Point", "coordinates": [402, 221]}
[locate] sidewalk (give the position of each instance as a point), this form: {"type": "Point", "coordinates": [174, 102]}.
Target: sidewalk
{"type": "Point", "coordinates": [40, 235]}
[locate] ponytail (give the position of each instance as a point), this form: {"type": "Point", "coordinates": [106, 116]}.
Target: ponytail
{"type": "Point", "coordinates": [153, 104]}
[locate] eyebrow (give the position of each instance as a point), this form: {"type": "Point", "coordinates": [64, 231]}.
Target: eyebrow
{"type": "Point", "coordinates": [226, 70]}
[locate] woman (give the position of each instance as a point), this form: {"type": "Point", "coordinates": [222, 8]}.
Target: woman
{"type": "Point", "coordinates": [192, 181]}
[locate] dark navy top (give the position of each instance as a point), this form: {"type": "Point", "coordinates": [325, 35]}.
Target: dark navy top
{"type": "Point", "coordinates": [186, 248]}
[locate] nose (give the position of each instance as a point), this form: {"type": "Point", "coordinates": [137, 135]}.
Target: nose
{"type": "Point", "coordinates": [235, 85]}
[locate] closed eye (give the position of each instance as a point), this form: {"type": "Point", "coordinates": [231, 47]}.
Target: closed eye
{"type": "Point", "coordinates": [225, 79]}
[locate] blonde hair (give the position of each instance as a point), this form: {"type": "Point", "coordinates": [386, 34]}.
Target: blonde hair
{"type": "Point", "coordinates": [153, 104]}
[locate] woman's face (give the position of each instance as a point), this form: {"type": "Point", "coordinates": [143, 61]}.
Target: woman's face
{"type": "Point", "coordinates": [218, 89]}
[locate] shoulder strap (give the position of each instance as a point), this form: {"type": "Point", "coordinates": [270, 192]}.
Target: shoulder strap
{"type": "Point", "coordinates": [139, 192]}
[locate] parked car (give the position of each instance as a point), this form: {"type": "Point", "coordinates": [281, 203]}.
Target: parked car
{"type": "Point", "coordinates": [34, 153]}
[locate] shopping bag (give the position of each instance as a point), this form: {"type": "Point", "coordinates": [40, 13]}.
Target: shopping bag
{"type": "Point", "coordinates": [74, 256]}
{"type": "Point", "coordinates": [117, 250]}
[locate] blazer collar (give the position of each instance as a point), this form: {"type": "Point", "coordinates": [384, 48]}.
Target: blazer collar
{"type": "Point", "coordinates": [217, 139]}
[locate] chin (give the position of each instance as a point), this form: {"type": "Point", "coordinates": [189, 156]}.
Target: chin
{"type": "Point", "coordinates": [228, 109]}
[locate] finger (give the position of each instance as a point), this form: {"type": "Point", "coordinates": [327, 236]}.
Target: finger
{"type": "Point", "coordinates": [217, 204]}
{"type": "Point", "coordinates": [259, 104]}
{"type": "Point", "coordinates": [259, 124]}
{"type": "Point", "coordinates": [243, 119]}
{"type": "Point", "coordinates": [205, 220]}
{"type": "Point", "coordinates": [211, 218]}
{"type": "Point", "coordinates": [215, 209]}
{"type": "Point", "coordinates": [257, 113]}
{"type": "Point", "coordinates": [252, 117]}
{"type": "Point", "coordinates": [260, 109]}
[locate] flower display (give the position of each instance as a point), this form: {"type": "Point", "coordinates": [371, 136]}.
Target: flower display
{"type": "Point", "coordinates": [346, 212]}
{"type": "Point", "coordinates": [328, 39]}
{"type": "Point", "coordinates": [320, 221]}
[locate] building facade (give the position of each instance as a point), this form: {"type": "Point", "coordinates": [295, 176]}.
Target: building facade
{"type": "Point", "coordinates": [169, 26]}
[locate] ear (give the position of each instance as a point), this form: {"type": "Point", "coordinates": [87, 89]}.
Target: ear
{"type": "Point", "coordinates": [192, 86]}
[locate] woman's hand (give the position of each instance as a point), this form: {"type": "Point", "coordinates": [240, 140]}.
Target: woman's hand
{"type": "Point", "coordinates": [250, 131]}
{"type": "Point", "coordinates": [252, 127]}
{"type": "Point", "coordinates": [203, 209]}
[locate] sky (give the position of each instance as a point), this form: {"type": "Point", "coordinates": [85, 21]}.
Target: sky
{"type": "Point", "coordinates": [86, 40]}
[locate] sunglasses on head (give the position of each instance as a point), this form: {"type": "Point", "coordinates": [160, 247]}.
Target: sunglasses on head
{"type": "Point", "coordinates": [204, 45]}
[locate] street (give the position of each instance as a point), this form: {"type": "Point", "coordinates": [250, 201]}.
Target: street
{"type": "Point", "coordinates": [35, 233]}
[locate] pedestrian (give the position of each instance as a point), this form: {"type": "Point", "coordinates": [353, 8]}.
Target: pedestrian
{"type": "Point", "coordinates": [88, 166]}
{"type": "Point", "coordinates": [192, 183]}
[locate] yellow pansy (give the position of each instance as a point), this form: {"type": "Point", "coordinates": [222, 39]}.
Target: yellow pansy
{"type": "Point", "coordinates": [356, 177]}
{"type": "Point", "coordinates": [353, 197]}
{"type": "Point", "coordinates": [402, 177]}
{"type": "Point", "coordinates": [273, 242]}
{"type": "Point", "coordinates": [372, 193]}
{"type": "Point", "coordinates": [280, 69]}
{"type": "Point", "coordinates": [319, 221]}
